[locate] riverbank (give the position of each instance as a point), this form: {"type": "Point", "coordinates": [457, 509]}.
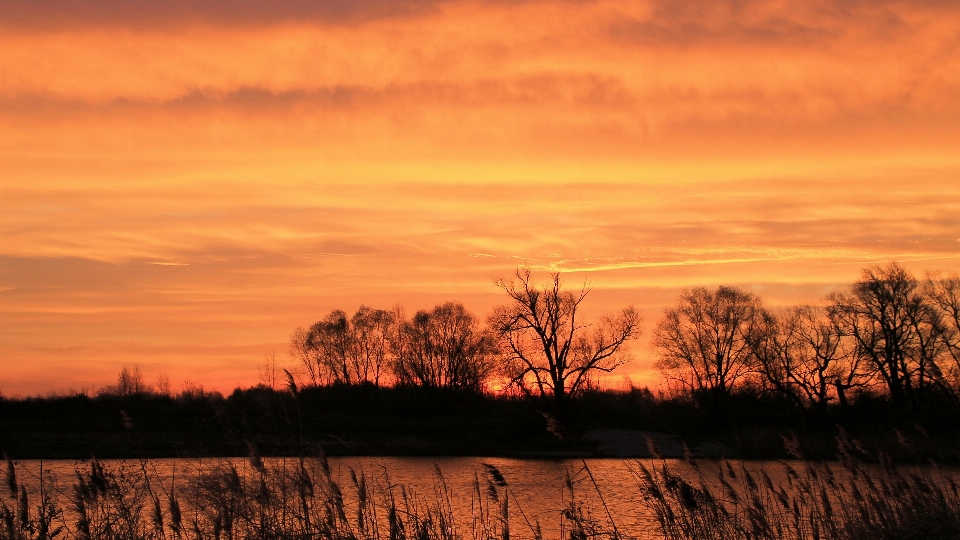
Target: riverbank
{"type": "Point", "coordinates": [368, 421]}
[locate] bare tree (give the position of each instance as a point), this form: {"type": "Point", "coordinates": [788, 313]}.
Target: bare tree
{"type": "Point", "coordinates": [332, 341]}
{"type": "Point", "coordinates": [302, 352]}
{"type": "Point", "coordinates": [944, 294]}
{"type": "Point", "coordinates": [346, 351]}
{"type": "Point", "coordinates": [130, 382]}
{"type": "Point", "coordinates": [163, 385]}
{"type": "Point", "coordinates": [705, 340]}
{"type": "Point", "coordinates": [548, 350]}
{"type": "Point", "coordinates": [804, 354]}
{"type": "Point", "coordinates": [896, 327]}
{"type": "Point", "coordinates": [270, 371]}
{"type": "Point", "coordinates": [372, 330]}
{"type": "Point", "coordinates": [443, 348]}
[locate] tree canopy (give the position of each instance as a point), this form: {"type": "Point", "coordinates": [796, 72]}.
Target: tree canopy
{"type": "Point", "coordinates": [548, 350]}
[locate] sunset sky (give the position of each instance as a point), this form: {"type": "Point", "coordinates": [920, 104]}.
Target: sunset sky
{"type": "Point", "coordinates": [184, 183]}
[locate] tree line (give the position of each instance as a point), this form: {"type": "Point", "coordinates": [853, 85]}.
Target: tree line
{"type": "Point", "coordinates": [535, 343]}
{"type": "Point", "coordinates": [882, 353]}
{"type": "Point", "coordinates": [889, 333]}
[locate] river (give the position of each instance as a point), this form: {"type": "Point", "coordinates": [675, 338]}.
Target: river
{"type": "Point", "coordinates": [539, 490]}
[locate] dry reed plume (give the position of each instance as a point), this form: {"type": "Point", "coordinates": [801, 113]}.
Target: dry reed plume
{"type": "Point", "coordinates": [301, 499]}
{"type": "Point", "coordinates": [855, 501]}
{"type": "Point", "coordinates": [291, 499]}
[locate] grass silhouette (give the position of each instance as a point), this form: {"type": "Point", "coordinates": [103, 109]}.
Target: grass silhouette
{"type": "Point", "coordinates": [853, 500]}
{"type": "Point", "coordinates": [862, 496]}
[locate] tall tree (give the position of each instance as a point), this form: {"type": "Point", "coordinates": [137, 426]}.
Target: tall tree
{"type": "Point", "coordinates": [804, 354]}
{"type": "Point", "coordinates": [705, 340]}
{"type": "Point", "coordinates": [301, 351]}
{"type": "Point", "coordinates": [944, 294]}
{"type": "Point", "coordinates": [896, 327]}
{"type": "Point", "coordinates": [130, 382]}
{"type": "Point", "coordinates": [372, 332]}
{"type": "Point", "coordinates": [333, 342]}
{"type": "Point", "coordinates": [548, 350]}
{"type": "Point", "coordinates": [443, 348]}
{"type": "Point", "coordinates": [345, 350]}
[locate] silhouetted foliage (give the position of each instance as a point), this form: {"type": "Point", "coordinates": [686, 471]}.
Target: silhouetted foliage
{"type": "Point", "coordinates": [443, 348]}
{"type": "Point", "coordinates": [129, 383]}
{"type": "Point", "coordinates": [803, 353]}
{"type": "Point", "coordinates": [883, 356]}
{"type": "Point", "coordinates": [705, 340]}
{"type": "Point", "coordinates": [897, 328]}
{"type": "Point", "coordinates": [850, 500]}
{"type": "Point", "coordinates": [944, 294]}
{"type": "Point", "coordinates": [548, 351]}
{"type": "Point", "coordinates": [891, 335]}
{"type": "Point", "coordinates": [345, 350]}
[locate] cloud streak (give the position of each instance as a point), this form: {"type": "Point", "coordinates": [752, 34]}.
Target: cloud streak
{"type": "Point", "coordinates": [116, 14]}
{"type": "Point", "coordinates": [183, 185]}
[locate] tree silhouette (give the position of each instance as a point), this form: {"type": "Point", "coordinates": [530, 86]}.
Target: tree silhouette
{"type": "Point", "coordinates": [944, 292]}
{"type": "Point", "coordinates": [548, 351]}
{"type": "Point", "coordinates": [345, 351]}
{"type": "Point", "coordinates": [705, 340]}
{"type": "Point", "coordinates": [897, 328]}
{"type": "Point", "coordinates": [804, 354]}
{"type": "Point", "coordinates": [372, 332]}
{"type": "Point", "coordinates": [333, 342]}
{"type": "Point", "coordinates": [443, 348]}
{"type": "Point", "coordinates": [130, 382]}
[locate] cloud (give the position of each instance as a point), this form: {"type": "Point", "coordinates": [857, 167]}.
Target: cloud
{"type": "Point", "coordinates": [192, 178]}
{"type": "Point", "coordinates": [26, 15]}
{"type": "Point", "coordinates": [734, 81]}
{"type": "Point", "coordinates": [817, 25]}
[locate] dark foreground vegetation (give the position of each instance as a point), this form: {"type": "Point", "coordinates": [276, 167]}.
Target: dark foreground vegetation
{"type": "Point", "coordinates": [848, 500]}
{"type": "Point", "coordinates": [369, 420]}
{"type": "Point", "coordinates": [300, 498]}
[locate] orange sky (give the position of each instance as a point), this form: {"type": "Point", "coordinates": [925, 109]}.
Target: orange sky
{"type": "Point", "coordinates": [184, 183]}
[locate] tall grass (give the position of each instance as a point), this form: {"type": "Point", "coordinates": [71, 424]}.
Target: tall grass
{"type": "Point", "coordinates": [289, 499]}
{"type": "Point", "coordinates": [864, 496]}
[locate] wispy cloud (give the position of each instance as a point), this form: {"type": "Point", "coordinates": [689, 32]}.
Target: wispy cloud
{"type": "Point", "coordinates": [202, 174]}
{"type": "Point", "coordinates": [119, 15]}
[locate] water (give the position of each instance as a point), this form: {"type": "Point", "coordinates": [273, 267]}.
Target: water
{"type": "Point", "coordinates": [539, 489]}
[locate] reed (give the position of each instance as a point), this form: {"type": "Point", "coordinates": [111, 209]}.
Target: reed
{"type": "Point", "coordinates": [862, 496]}
{"type": "Point", "coordinates": [289, 499]}
{"type": "Point", "coordinates": [865, 496]}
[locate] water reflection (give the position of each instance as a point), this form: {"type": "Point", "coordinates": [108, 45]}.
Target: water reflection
{"type": "Point", "coordinates": [539, 489]}
{"type": "Point", "coordinates": [606, 490]}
